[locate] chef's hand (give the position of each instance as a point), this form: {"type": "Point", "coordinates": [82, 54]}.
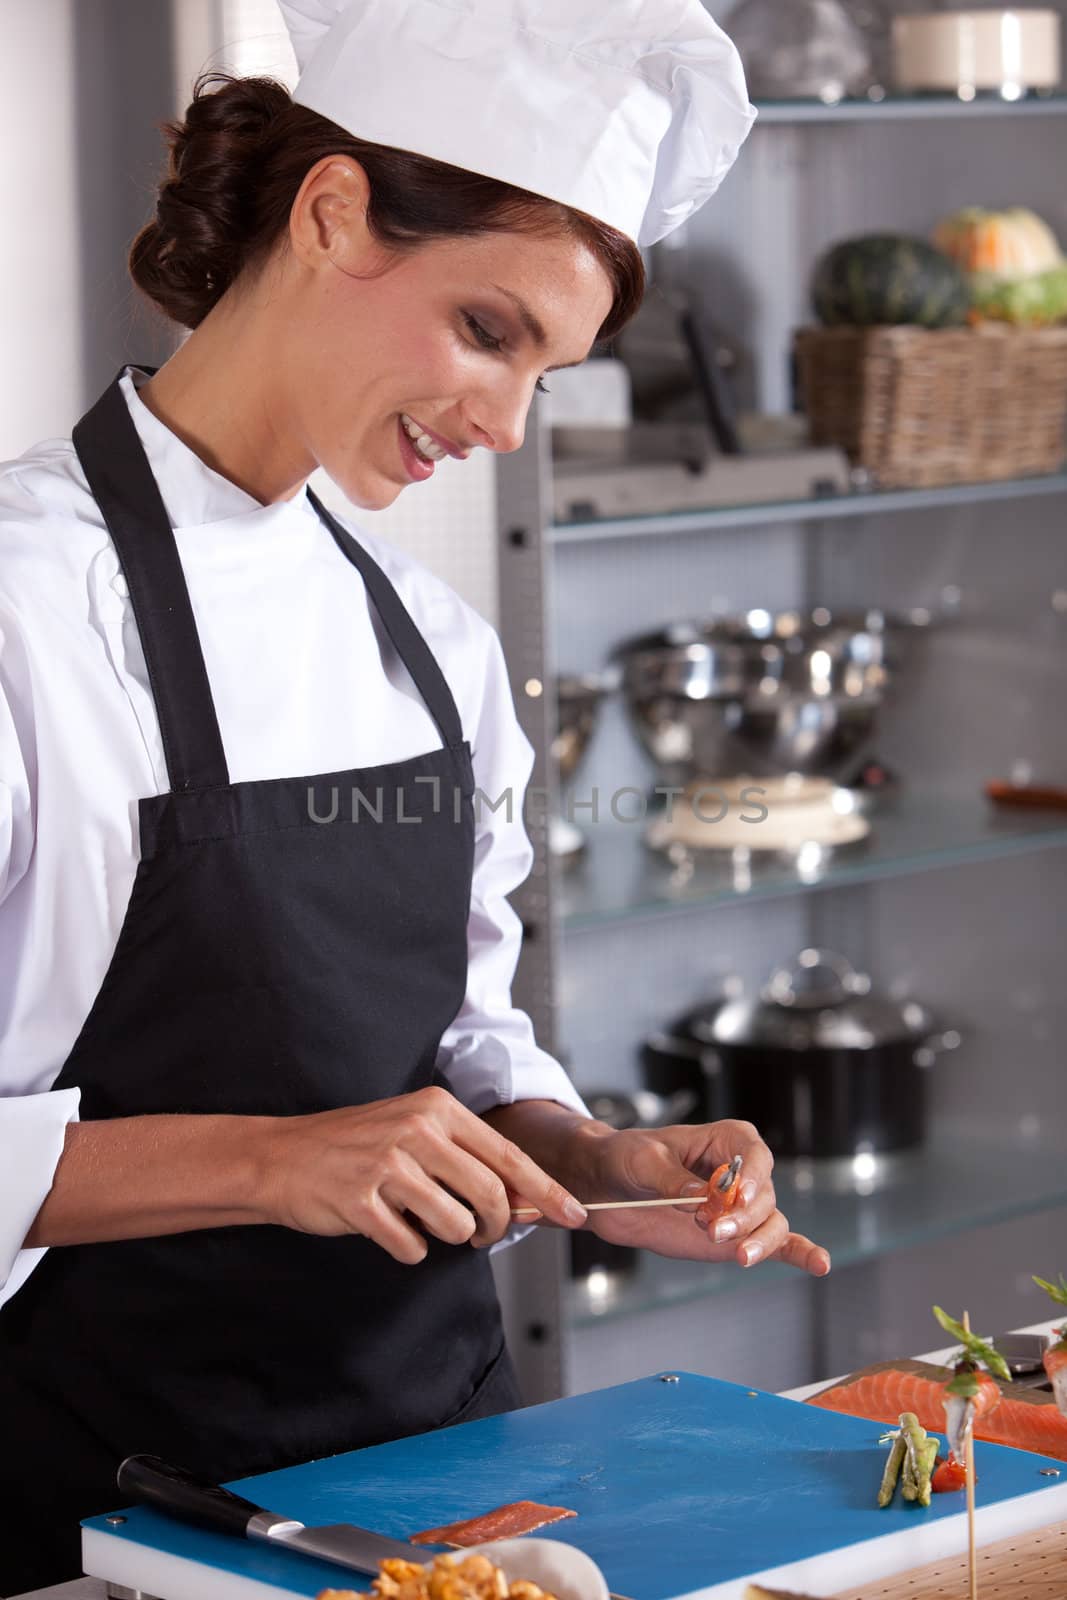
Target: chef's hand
{"type": "Point", "coordinates": [642, 1164]}
{"type": "Point", "coordinates": [387, 1168]}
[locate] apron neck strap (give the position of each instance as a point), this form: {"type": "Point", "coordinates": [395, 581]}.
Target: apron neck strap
{"type": "Point", "coordinates": [405, 637]}
{"type": "Point", "coordinates": [113, 459]}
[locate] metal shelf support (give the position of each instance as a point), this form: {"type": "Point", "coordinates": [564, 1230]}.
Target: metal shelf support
{"type": "Point", "coordinates": [530, 1275]}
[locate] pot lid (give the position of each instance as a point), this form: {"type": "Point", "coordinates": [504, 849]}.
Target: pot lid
{"type": "Point", "coordinates": [819, 1001]}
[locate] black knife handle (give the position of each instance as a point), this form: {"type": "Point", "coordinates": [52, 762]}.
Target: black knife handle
{"type": "Point", "coordinates": [179, 1493]}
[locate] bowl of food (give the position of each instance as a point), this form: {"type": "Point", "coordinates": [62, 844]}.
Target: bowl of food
{"type": "Point", "coordinates": [505, 1569]}
{"type": "Point", "coordinates": [761, 693]}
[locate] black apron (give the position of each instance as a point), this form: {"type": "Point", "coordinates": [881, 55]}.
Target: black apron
{"type": "Point", "coordinates": [277, 957]}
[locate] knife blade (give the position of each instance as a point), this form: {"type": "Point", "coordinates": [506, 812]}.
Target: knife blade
{"type": "Point", "coordinates": [180, 1493]}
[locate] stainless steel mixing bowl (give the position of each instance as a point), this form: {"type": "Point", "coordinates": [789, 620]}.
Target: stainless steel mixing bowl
{"type": "Point", "coordinates": [578, 697]}
{"type": "Point", "coordinates": [759, 693]}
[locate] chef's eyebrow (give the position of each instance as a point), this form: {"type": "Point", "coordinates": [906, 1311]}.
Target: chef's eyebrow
{"type": "Point", "coordinates": [533, 326]}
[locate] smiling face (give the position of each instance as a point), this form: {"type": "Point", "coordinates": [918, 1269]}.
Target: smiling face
{"type": "Point", "coordinates": [454, 335]}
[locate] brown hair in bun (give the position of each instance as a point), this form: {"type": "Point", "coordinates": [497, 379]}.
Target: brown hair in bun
{"type": "Point", "coordinates": [237, 162]}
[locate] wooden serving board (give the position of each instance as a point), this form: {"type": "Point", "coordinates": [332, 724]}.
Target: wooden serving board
{"type": "Point", "coordinates": [1033, 1567]}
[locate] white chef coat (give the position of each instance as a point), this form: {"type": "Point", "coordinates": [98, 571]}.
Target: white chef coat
{"type": "Point", "coordinates": [304, 680]}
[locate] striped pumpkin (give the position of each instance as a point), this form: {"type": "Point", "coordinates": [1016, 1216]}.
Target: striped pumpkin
{"type": "Point", "coordinates": [1005, 244]}
{"type": "Point", "coordinates": [888, 278]}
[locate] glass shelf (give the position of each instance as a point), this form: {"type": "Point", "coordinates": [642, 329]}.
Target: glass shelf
{"type": "Point", "coordinates": [911, 108]}
{"type": "Point", "coordinates": [621, 878]}
{"type": "Point", "coordinates": [865, 503]}
{"type": "Point", "coordinates": [956, 1182]}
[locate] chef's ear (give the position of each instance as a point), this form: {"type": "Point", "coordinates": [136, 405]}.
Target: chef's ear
{"type": "Point", "coordinates": [328, 219]}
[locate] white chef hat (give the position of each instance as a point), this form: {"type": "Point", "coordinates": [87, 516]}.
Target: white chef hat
{"type": "Point", "coordinates": [630, 110]}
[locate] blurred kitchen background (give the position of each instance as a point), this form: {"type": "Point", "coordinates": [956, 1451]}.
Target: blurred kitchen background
{"type": "Point", "coordinates": [814, 585]}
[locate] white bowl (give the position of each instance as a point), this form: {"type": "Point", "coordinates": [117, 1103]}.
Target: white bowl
{"type": "Point", "coordinates": [561, 1569]}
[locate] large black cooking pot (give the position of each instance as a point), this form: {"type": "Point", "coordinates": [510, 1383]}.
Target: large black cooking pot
{"type": "Point", "coordinates": [821, 1065]}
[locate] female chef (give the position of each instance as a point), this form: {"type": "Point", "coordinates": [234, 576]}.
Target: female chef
{"type": "Point", "coordinates": [266, 1102]}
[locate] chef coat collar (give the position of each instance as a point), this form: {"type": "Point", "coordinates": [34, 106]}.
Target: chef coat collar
{"type": "Point", "coordinates": [193, 493]}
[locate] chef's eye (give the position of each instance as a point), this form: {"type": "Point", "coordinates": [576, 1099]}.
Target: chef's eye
{"type": "Point", "coordinates": [489, 341]}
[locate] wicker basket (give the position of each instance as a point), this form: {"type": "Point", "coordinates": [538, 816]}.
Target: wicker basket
{"type": "Point", "coordinates": [921, 406]}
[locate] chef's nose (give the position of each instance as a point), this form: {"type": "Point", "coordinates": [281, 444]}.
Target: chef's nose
{"type": "Point", "coordinates": [501, 416]}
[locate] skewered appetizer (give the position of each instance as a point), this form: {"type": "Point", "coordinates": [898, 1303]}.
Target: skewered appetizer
{"type": "Point", "coordinates": [970, 1393]}
{"type": "Point", "coordinates": [1055, 1358]}
{"type": "Point", "coordinates": [724, 1185]}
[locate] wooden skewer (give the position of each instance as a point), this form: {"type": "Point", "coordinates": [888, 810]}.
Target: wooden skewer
{"type": "Point", "coordinates": [615, 1205]}
{"type": "Point", "coordinates": [724, 1179]}
{"type": "Point", "coordinates": [968, 1461]}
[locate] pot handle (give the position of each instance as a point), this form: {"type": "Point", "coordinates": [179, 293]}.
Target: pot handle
{"type": "Point", "coordinates": [659, 1111]}
{"type": "Point", "coordinates": [842, 979]}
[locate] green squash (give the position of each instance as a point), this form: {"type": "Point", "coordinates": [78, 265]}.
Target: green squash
{"type": "Point", "coordinates": [1033, 302]}
{"type": "Point", "coordinates": [888, 278]}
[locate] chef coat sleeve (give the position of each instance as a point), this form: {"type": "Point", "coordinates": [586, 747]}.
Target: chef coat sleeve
{"type": "Point", "coordinates": [32, 1126]}
{"type": "Point", "coordinates": [489, 1054]}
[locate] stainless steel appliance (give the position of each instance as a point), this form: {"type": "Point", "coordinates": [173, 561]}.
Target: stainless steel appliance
{"type": "Point", "coordinates": [578, 698]}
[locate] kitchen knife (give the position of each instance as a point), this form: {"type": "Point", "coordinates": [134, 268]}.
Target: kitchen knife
{"type": "Point", "coordinates": [182, 1494]}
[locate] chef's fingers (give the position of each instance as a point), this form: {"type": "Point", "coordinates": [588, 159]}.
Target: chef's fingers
{"type": "Point", "coordinates": [711, 1144]}
{"type": "Point", "coordinates": [653, 1163]}
{"type": "Point", "coordinates": [766, 1241]}
{"type": "Point", "coordinates": [741, 1222]}
{"type": "Point", "coordinates": [690, 1189]}
{"type": "Point", "coordinates": [803, 1253]}
{"type": "Point", "coordinates": [383, 1223]}
{"type": "Point", "coordinates": [479, 1188]}
{"type": "Point", "coordinates": [743, 1139]}
{"type": "Point", "coordinates": [409, 1188]}
{"type": "Point", "coordinates": [517, 1171]}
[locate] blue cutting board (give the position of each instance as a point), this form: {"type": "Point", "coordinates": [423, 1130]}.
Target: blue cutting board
{"type": "Point", "coordinates": [681, 1489]}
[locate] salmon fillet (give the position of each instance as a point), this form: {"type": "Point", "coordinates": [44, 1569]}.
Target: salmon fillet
{"type": "Point", "coordinates": [881, 1395]}
{"type": "Point", "coordinates": [506, 1522]}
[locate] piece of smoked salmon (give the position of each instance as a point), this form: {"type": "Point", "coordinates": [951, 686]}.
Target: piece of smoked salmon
{"type": "Point", "coordinates": [506, 1522]}
{"type": "Point", "coordinates": [1026, 1421]}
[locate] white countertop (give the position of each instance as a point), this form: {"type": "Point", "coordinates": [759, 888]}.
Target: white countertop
{"type": "Point", "coordinates": [95, 1589]}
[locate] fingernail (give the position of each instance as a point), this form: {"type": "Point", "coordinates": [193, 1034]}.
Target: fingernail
{"type": "Point", "coordinates": [752, 1253]}
{"type": "Point", "coordinates": [747, 1192]}
{"type": "Point", "coordinates": [694, 1188]}
{"type": "Point", "coordinates": [574, 1212]}
{"type": "Point", "coordinates": [725, 1228]}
